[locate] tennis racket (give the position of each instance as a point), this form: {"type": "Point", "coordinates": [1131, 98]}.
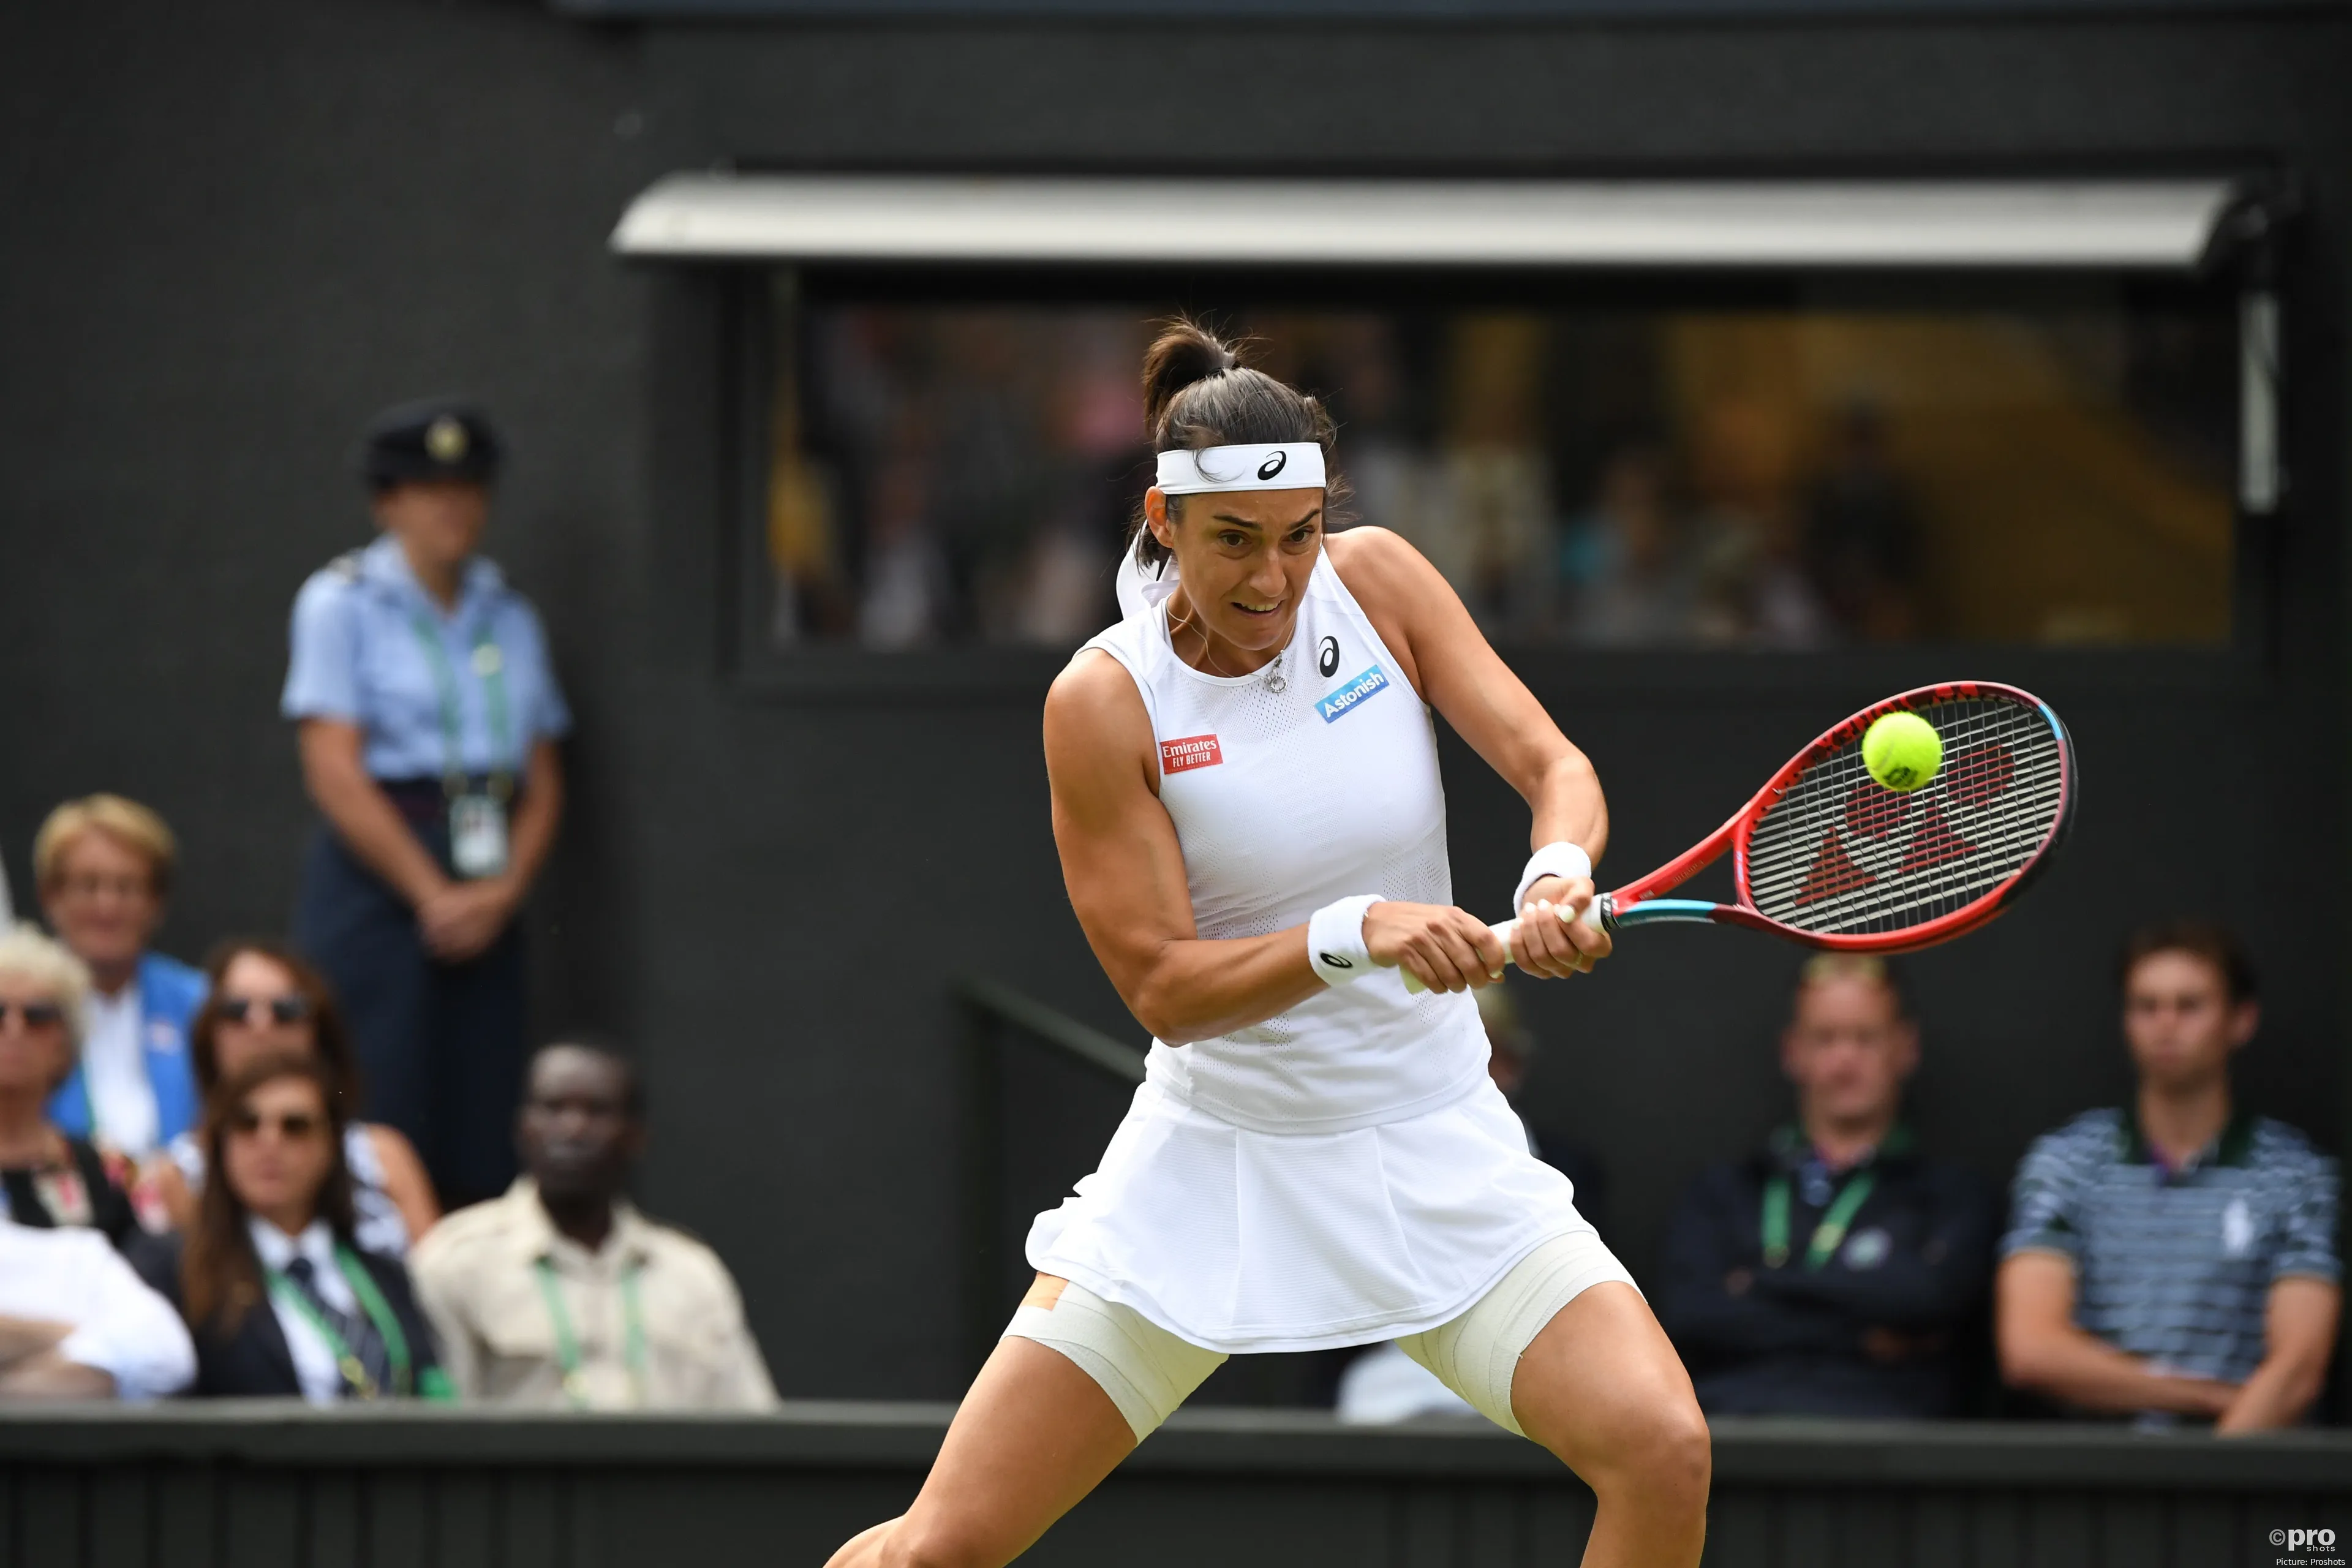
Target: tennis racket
{"type": "Point", "coordinates": [1826, 855]}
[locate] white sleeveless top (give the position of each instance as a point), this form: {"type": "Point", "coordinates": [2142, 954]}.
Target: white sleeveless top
{"type": "Point", "coordinates": [1284, 801]}
{"type": "Point", "coordinates": [1345, 1172]}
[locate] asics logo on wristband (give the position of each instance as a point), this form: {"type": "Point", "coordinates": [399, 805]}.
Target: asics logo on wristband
{"type": "Point", "coordinates": [1336, 962]}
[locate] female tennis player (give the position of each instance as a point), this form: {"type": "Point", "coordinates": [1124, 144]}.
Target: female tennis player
{"type": "Point", "coordinates": [1247, 800]}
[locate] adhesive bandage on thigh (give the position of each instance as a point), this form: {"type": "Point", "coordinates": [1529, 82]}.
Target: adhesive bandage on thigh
{"type": "Point", "coordinates": [1147, 1371]}
{"type": "Point", "coordinates": [1478, 1354]}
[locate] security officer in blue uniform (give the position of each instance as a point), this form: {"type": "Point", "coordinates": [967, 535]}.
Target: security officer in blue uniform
{"type": "Point", "coordinates": [428, 714]}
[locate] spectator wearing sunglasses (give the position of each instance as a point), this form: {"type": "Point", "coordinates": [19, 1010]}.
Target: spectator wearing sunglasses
{"type": "Point", "coordinates": [103, 867]}
{"type": "Point", "coordinates": [275, 1287]}
{"type": "Point", "coordinates": [264, 998]}
{"type": "Point", "coordinates": [48, 1177]}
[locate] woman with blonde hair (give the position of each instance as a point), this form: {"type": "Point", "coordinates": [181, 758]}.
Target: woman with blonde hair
{"type": "Point", "coordinates": [103, 867]}
{"type": "Point", "coordinates": [47, 1176]}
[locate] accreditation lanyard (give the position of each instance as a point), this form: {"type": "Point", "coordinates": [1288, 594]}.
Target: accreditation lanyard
{"type": "Point", "coordinates": [387, 1324]}
{"type": "Point", "coordinates": [567, 1343]}
{"type": "Point", "coordinates": [1826, 1235]}
{"type": "Point", "coordinates": [488, 665]}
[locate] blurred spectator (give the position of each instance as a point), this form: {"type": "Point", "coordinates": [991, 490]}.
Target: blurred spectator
{"type": "Point", "coordinates": [103, 865]}
{"type": "Point", "coordinates": [1753, 587]}
{"type": "Point", "coordinates": [265, 1001]}
{"type": "Point", "coordinates": [76, 1323]}
{"type": "Point", "coordinates": [1835, 1271]}
{"type": "Point", "coordinates": [48, 1177]}
{"type": "Point", "coordinates": [1630, 585]}
{"type": "Point", "coordinates": [1862, 540]}
{"type": "Point", "coordinates": [1383, 1384]}
{"type": "Point", "coordinates": [561, 1295]}
{"type": "Point", "coordinates": [428, 714]}
{"type": "Point", "coordinates": [276, 1223]}
{"type": "Point", "coordinates": [2177, 1257]}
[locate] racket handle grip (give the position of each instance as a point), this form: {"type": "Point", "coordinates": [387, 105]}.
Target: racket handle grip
{"type": "Point", "coordinates": [1591, 915]}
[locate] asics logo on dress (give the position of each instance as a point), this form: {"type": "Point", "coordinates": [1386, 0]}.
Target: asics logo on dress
{"type": "Point", "coordinates": [1190, 751]}
{"type": "Point", "coordinates": [1273, 465]}
{"type": "Point", "coordinates": [1327, 661]}
{"type": "Point", "coordinates": [1353, 695]}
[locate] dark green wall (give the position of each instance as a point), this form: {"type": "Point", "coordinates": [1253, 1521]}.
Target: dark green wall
{"type": "Point", "coordinates": [232, 231]}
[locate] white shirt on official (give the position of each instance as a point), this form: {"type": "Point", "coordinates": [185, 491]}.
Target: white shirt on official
{"type": "Point", "coordinates": [71, 1275]}
{"type": "Point", "coordinates": [315, 1367]}
{"type": "Point", "coordinates": [114, 1067]}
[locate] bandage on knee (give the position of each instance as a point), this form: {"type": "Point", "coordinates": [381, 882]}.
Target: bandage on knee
{"type": "Point", "coordinates": [1146, 1371]}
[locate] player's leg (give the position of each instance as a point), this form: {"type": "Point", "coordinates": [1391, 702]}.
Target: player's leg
{"type": "Point", "coordinates": [1032, 1438]}
{"type": "Point", "coordinates": [1564, 1350]}
{"type": "Point", "coordinates": [1601, 1387]}
{"type": "Point", "coordinates": [1037, 1431]}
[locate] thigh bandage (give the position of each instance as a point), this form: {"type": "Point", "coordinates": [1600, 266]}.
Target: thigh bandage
{"type": "Point", "coordinates": [1147, 1371]}
{"type": "Point", "coordinates": [1478, 1354]}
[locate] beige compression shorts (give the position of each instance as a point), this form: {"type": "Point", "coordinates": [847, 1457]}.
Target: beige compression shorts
{"type": "Point", "coordinates": [1148, 1372]}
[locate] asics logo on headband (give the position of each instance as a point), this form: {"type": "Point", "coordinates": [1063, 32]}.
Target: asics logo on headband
{"type": "Point", "coordinates": [1265, 466]}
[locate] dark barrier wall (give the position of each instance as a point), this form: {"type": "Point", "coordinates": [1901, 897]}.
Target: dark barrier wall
{"type": "Point", "coordinates": [263, 1487]}
{"type": "Point", "coordinates": [234, 231]}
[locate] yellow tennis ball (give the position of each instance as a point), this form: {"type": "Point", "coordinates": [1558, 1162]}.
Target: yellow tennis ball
{"type": "Point", "coordinates": [1902, 752]}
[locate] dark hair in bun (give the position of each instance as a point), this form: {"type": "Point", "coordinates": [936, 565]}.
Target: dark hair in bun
{"type": "Point", "coordinates": [1197, 393]}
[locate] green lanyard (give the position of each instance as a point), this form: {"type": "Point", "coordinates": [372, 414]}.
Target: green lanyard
{"type": "Point", "coordinates": [1826, 1235]}
{"type": "Point", "coordinates": [567, 1345]}
{"type": "Point", "coordinates": [490, 665]}
{"type": "Point", "coordinates": [395, 1344]}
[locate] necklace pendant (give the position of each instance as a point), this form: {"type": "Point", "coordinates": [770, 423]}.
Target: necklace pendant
{"type": "Point", "coordinates": [1275, 684]}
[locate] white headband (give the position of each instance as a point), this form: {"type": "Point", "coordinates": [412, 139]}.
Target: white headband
{"type": "Point", "coordinates": [1276, 466]}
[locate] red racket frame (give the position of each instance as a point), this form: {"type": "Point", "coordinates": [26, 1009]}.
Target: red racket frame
{"type": "Point", "coordinates": [1637, 902]}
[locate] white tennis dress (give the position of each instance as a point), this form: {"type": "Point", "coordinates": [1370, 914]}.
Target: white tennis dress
{"type": "Point", "coordinates": [1346, 1171]}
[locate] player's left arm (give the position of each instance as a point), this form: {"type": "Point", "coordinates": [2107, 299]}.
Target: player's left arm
{"type": "Point", "coordinates": [2298, 1333]}
{"type": "Point", "coordinates": [1451, 665]}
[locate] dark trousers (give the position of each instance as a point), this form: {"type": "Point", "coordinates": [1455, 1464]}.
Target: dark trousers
{"type": "Point", "coordinates": [441, 1044]}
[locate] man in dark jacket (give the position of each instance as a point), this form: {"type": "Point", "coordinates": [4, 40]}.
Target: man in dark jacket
{"type": "Point", "coordinates": [1836, 1271]}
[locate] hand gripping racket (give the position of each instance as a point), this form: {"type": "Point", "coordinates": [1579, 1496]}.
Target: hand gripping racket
{"type": "Point", "coordinates": [1825, 855]}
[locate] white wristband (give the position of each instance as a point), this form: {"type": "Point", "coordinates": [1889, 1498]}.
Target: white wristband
{"type": "Point", "coordinates": [1335, 940]}
{"type": "Point", "coordinates": [1561, 859]}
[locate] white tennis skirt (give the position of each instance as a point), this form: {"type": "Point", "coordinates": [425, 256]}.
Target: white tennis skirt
{"type": "Point", "coordinates": [1239, 1241]}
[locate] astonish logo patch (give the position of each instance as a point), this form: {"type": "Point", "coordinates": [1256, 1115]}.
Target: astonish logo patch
{"type": "Point", "coordinates": [1353, 695]}
{"type": "Point", "coordinates": [1190, 751]}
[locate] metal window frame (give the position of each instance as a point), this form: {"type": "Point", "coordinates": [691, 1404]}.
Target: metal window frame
{"type": "Point", "coordinates": [2237, 221]}
{"type": "Point", "coordinates": [1092, 221]}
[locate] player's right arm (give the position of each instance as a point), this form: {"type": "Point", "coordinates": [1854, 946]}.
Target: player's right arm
{"type": "Point", "coordinates": [2042, 1350]}
{"type": "Point", "coordinates": [1125, 873]}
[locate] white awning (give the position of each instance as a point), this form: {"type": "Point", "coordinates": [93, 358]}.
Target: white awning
{"type": "Point", "coordinates": [2105, 224]}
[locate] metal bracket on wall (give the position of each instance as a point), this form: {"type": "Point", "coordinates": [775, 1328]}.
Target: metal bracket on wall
{"type": "Point", "coordinates": [2261, 474]}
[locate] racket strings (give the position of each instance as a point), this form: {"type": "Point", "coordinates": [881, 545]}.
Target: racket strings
{"type": "Point", "coordinates": [1839, 855]}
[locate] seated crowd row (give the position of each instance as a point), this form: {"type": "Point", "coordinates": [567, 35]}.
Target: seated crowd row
{"type": "Point", "coordinates": [2171, 1261]}
{"type": "Point", "coordinates": [189, 1202]}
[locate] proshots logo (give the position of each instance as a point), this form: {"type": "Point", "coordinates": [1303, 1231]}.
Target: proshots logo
{"type": "Point", "coordinates": [2306, 1548]}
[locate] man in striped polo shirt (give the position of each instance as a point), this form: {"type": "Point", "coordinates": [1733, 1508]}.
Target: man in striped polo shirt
{"type": "Point", "coordinates": [2175, 1259]}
